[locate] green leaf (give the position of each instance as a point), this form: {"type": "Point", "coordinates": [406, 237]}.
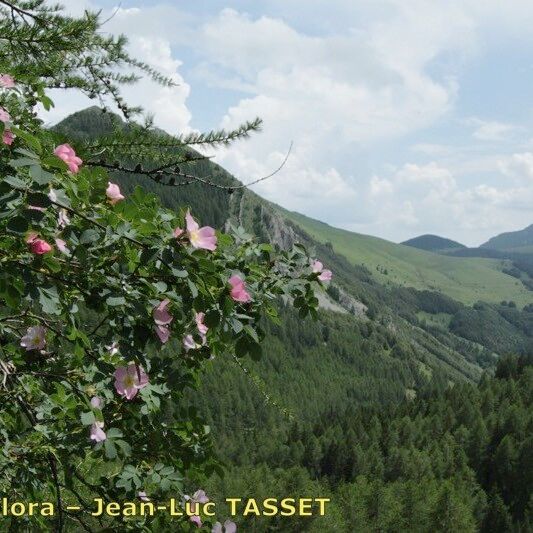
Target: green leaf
{"type": "Point", "coordinates": [212, 319]}
{"type": "Point", "coordinates": [18, 225]}
{"type": "Point", "coordinates": [40, 176]}
{"type": "Point", "coordinates": [89, 236]}
{"type": "Point", "coordinates": [87, 418]}
{"type": "Point", "coordinates": [193, 288]}
{"type": "Point", "coordinates": [22, 162]}
{"type": "Point", "coordinates": [110, 448]}
{"type": "Point", "coordinates": [114, 301]}
{"type": "Point", "coordinates": [38, 199]}
{"type": "Point", "coordinates": [252, 333]}
{"type": "Point", "coordinates": [52, 263]}
{"type": "Point", "coordinates": [30, 139]}
{"type": "Point", "coordinates": [236, 325]}
{"type": "Point", "coordinates": [113, 433]}
{"type": "Point", "coordinates": [15, 182]}
{"type": "Point", "coordinates": [49, 300]}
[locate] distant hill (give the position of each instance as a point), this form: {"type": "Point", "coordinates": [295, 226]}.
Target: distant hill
{"type": "Point", "coordinates": [521, 240]}
{"type": "Point", "coordinates": [433, 243]}
{"type": "Point", "coordinates": [465, 279]}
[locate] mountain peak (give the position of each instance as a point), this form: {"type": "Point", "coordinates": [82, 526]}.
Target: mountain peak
{"type": "Point", "coordinates": [511, 239]}
{"type": "Point", "coordinates": [433, 243]}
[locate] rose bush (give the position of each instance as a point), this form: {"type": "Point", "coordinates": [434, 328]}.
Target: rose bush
{"type": "Point", "coordinates": [108, 309]}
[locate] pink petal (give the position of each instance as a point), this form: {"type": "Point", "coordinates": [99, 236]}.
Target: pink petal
{"type": "Point", "coordinates": [113, 193]}
{"type": "Point", "coordinates": [141, 377]}
{"type": "Point", "coordinates": [40, 247]}
{"type": "Point", "coordinates": [7, 81]}
{"type": "Point", "coordinates": [230, 527]}
{"type": "Point", "coordinates": [325, 275]}
{"type": "Point", "coordinates": [64, 151]}
{"type": "Point", "coordinates": [178, 232]}
{"type": "Point", "coordinates": [196, 520]}
{"type": "Point", "coordinates": [204, 238]}
{"type": "Point", "coordinates": [96, 402]}
{"type": "Point", "coordinates": [62, 246]}
{"type": "Point", "coordinates": [217, 528]}
{"type": "Point", "coordinates": [317, 266]}
{"type": "Point", "coordinates": [160, 313]}
{"type": "Point", "coordinates": [4, 115]}
{"type": "Point", "coordinates": [8, 137]}
{"type": "Point", "coordinates": [163, 333]}
{"type": "Point", "coordinates": [120, 373]}
{"type": "Point", "coordinates": [73, 167]}
{"type": "Point", "coordinates": [97, 433]}
{"type": "Point", "coordinates": [188, 343]}
{"type": "Point", "coordinates": [192, 225]}
{"type": "Point", "coordinates": [238, 291]}
{"type": "Point", "coordinates": [202, 328]}
{"type": "Point", "coordinates": [200, 497]}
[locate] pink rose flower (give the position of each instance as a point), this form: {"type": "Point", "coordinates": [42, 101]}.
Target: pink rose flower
{"type": "Point", "coordinates": [66, 153]}
{"type": "Point", "coordinates": [7, 81]}
{"type": "Point", "coordinates": [238, 289]}
{"type": "Point", "coordinates": [4, 115]}
{"type": "Point", "coordinates": [96, 402]}
{"type": "Point", "coordinates": [113, 193]}
{"type": "Point", "coordinates": [38, 246]}
{"type": "Point", "coordinates": [198, 497]}
{"type": "Point", "coordinates": [325, 275]}
{"type": "Point", "coordinates": [199, 318]}
{"type": "Point", "coordinates": [162, 319]}
{"type": "Point", "coordinates": [189, 343]}
{"type": "Point", "coordinates": [113, 348]}
{"type": "Point", "coordinates": [129, 380]}
{"type": "Point", "coordinates": [8, 137]}
{"type": "Point", "coordinates": [63, 219]}
{"type": "Point", "coordinates": [178, 232]}
{"type": "Point", "coordinates": [202, 238]}
{"type": "Point", "coordinates": [62, 246]}
{"type": "Point", "coordinates": [35, 338]}
{"type": "Point", "coordinates": [229, 527]}
{"type": "Point", "coordinates": [318, 268]}
{"type": "Point", "coordinates": [161, 314]}
{"type": "Point", "coordinates": [195, 519]}
{"type": "Point", "coordinates": [97, 432]}
{"type": "Point", "coordinates": [163, 333]}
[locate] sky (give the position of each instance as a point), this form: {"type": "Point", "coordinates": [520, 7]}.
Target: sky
{"type": "Point", "coordinates": [406, 116]}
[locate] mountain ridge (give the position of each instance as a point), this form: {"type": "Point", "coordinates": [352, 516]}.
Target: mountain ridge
{"type": "Point", "coordinates": [520, 240]}
{"type": "Point", "coordinates": [405, 314]}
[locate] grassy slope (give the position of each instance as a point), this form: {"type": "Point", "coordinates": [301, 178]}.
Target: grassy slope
{"type": "Point", "coordinates": [465, 279]}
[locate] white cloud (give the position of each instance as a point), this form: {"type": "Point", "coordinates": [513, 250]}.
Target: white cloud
{"type": "Point", "coordinates": [427, 198]}
{"type": "Point", "coordinates": [380, 186]}
{"type": "Point", "coordinates": [150, 35]}
{"type": "Point", "coordinates": [329, 94]}
{"type": "Point", "coordinates": [342, 82]}
{"type": "Point", "coordinates": [519, 166]}
{"type": "Point", "coordinates": [491, 130]}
